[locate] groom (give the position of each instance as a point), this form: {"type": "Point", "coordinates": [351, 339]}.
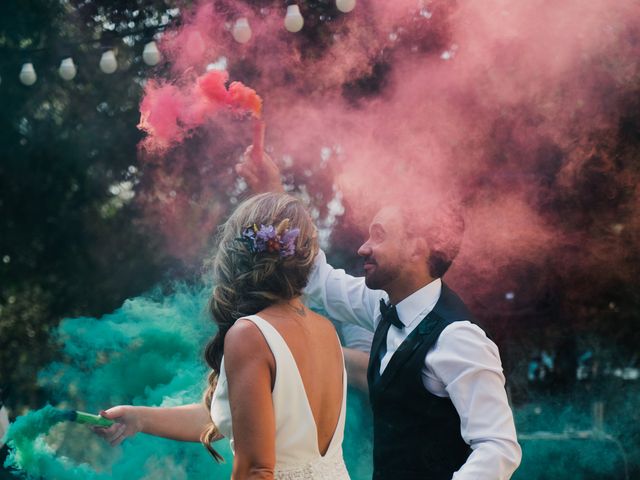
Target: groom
{"type": "Point", "coordinates": [435, 379]}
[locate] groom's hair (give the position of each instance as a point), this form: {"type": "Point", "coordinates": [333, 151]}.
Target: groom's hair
{"type": "Point", "coordinates": [442, 227]}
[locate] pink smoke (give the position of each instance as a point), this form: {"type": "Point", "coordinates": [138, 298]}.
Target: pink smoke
{"type": "Point", "coordinates": [170, 113]}
{"type": "Point", "coordinates": [497, 103]}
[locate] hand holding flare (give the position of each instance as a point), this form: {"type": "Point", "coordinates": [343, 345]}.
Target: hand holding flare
{"type": "Point", "coordinates": [123, 423]}
{"type": "Point", "coordinates": [257, 168]}
{"type": "Point", "coordinates": [170, 114]}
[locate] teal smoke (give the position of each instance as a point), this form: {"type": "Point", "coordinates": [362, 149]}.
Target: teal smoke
{"type": "Point", "coordinates": [148, 352]}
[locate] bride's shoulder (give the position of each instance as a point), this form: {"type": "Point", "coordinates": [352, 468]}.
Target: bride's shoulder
{"type": "Point", "coordinates": [248, 361]}
{"type": "Point", "coordinates": [244, 338]}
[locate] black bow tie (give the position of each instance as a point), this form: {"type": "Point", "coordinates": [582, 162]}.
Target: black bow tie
{"type": "Point", "coordinates": [390, 314]}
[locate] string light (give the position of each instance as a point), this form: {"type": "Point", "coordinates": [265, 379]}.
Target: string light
{"type": "Point", "coordinates": [345, 6]}
{"type": "Point", "coordinates": [28, 74]}
{"type": "Point", "coordinates": [67, 69]}
{"type": "Point", "coordinates": [151, 54]}
{"type": "Point", "coordinates": [241, 30]}
{"type": "Point", "coordinates": [108, 62]}
{"type": "Point", "coordinates": [293, 20]}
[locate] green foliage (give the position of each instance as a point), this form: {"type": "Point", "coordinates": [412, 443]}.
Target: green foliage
{"type": "Point", "coordinates": [69, 245]}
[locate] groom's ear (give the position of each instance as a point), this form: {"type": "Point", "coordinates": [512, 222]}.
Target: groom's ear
{"type": "Point", "coordinates": [420, 247]}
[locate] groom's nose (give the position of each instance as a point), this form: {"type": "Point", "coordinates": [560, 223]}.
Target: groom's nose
{"type": "Point", "coordinates": [364, 250]}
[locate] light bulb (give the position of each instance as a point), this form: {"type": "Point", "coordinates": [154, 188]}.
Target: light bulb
{"type": "Point", "coordinates": [345, 6]}
{"type": "Point", "coordinates": [108, 62]}
{"type": "Point", "coordinates": [151, 54]}
{"type": "Point", "coordinates": [28, 74]}
{"type": "Point", "coordinates": [241, 30]}
{"type": "Point", "coordinates": [67, 69]}
{"type": "Point", "coordinates": [293, 20]}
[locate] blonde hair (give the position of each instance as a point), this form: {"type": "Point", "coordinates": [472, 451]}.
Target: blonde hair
{"type": "Point", "coordinates": [246, 282]}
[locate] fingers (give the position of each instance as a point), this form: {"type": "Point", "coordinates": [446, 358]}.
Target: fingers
{"type": "Point", "coordinates": [246, 172]}
{"type": "Point", "coordinates": [258, 169]}
{"type": "Point", "coordinates": [258, 140]}
{"type": "Point", "coordinates": [248, 169]}
{"type": "Point", "coordinates": [119, 436]}
{"type": "Point", "coordinates": [116, 433]}
{"type": "Point", "coordinates": [113, 434]}
{"type": "Point", "coordinates": [98, 431]}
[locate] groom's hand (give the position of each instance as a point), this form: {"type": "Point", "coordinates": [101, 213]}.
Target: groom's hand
{"type": "Point", "coordinates": [260, 172]}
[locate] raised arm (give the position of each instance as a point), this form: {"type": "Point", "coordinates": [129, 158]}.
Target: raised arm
{"type": "Point", "coordinates": [343, 297]}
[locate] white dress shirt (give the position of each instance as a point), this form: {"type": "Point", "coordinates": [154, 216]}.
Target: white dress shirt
{"type": "Point", "coordinates": [463, 365]}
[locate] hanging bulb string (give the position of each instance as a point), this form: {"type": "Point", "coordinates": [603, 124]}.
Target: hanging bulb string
{"type": "Point", "coordinates": [33, 58]}
{"type": "Point", "coordinates": [67, 70]}
{"type": "Point", "coordinates": [148, 31]}
{"type": "Point", "coordinates": [151, 31]}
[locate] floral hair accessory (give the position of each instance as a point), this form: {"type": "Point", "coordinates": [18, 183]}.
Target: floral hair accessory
{"type": "Point", "coordinates": [270, 239]}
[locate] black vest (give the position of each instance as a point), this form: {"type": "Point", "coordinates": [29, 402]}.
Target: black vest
{"type": "Point", "coordinates": [416, 435]}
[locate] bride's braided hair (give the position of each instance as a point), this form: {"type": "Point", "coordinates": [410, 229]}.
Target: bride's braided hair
{"type": "Point", "coordinates": [247, 282]}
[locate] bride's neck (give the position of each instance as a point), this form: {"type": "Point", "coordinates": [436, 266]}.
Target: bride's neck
{"type": "Point", "coordinates": [293, 305]}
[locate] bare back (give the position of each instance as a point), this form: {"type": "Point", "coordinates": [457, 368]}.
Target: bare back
{"type": "Point", "coordinates": [314, 344]}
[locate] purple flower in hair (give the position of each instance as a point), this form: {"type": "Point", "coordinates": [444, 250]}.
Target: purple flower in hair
{"type": "Point", "coordinates": [267, 240]}
{"type": "Point", "coordinates": [288, 242]}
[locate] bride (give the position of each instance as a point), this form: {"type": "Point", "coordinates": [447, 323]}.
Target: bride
{"type": "Point", "coordinates": [277, 388]}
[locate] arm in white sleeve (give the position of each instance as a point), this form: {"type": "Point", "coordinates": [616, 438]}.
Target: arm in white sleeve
{"type": "Point", "coordinates": [468, 364]}
{"type": "Point", "coordinates": [356, 337]}
{"type": "Point", "coordinates": [343, 297]}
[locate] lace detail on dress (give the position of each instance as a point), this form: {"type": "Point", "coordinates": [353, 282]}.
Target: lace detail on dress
{"type": "Point", "coordinates": [331, 466]}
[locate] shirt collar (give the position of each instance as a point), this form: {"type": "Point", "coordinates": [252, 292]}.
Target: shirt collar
{"type": "Point", "coordinates": [419, 303]}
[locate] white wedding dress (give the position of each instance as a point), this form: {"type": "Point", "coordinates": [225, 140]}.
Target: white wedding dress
{"type": "Point", "coordinates": [297, 454]}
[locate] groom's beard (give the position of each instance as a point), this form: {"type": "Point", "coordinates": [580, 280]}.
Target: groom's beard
{"type": "Point", "coordinates": [377, 277]}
